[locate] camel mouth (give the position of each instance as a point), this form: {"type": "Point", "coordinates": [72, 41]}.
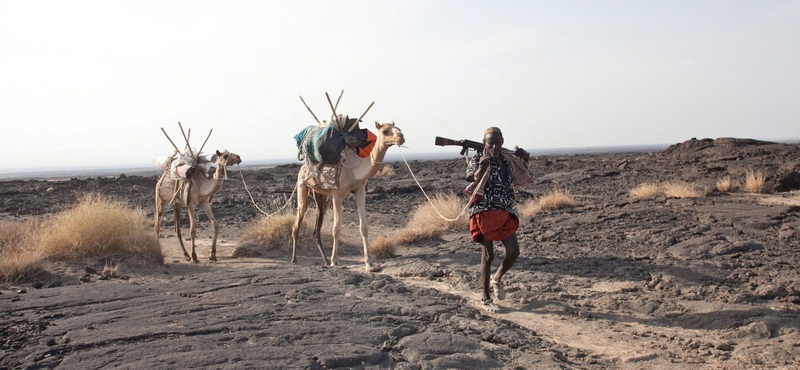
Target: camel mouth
{"type": "Point", "coordinates": [399, 140]}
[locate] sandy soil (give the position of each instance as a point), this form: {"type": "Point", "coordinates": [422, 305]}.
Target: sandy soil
{"type": "Point", "coordinates": [709, 282]}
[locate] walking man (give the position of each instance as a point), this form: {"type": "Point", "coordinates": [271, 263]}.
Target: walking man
{"type": "Point", "coordinates": [492, 217]}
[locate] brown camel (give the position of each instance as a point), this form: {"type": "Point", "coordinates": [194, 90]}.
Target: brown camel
{"type": "Point", "coordinates": [200, 190]}
{"type": "Point", "coordinates": [353, 176]}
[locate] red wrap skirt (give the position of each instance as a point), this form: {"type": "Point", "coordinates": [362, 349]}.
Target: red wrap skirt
{"type": "Point", "coordinates": [494, 225]}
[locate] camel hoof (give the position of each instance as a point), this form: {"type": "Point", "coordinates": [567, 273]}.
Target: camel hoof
{"type": "Point", "coordinates": [212, 258]}
{"type": "Point", "coordinates": [187, 258]}
{"type": "Point", "coordinates": [373, 268]}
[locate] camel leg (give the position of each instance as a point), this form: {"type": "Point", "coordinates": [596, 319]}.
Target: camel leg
{"type": "Point", "coordinates": [337, 228]}
{"type": "Point", "coordinates": [193, 229]}
{"type": "Point", "coordinates": [322, 207]}
{"type": "Point", "coordinates": [361, 197]}
{"type": "Point", "coordinates": [206, 207]}
{"type": "Point", "coordinates": [177, 208]}
{"type": "Point", "coordinates": [302, 205]}
{"type": "Point", "coordinates": [159, 213]}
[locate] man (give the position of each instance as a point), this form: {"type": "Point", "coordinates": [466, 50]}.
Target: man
{"type": "Point", "coordinates": [492, 217]}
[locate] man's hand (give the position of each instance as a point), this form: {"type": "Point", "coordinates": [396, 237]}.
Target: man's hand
{"type": "Point", "coordinates": [483, 166]}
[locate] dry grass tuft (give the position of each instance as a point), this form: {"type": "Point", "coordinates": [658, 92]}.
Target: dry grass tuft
{"type": "Point", "coordinates": [529, 208]}
{"type": "Point", "coordinates": [754, 181]}
{"type": "Point", "coordinates": [555, 199]}
{"type": "Point", "coordinates": [382, 248]}
{"type": "Point", "coordinates": [645, 190]}
{"type": "Point", "coordinates": [682, 190]}
{"type": "Point", "coordinates": [20, 255]}
{"type": "Point", "coordinates": [725, 185]}
{"type": "Point", "coordinates": [111, 270]}
{"type": "Point", "coordinates": [385, 171]}
{"type": "Point", "coordinates": [426, 223]}
{"type": "Point", "coordinates": [100, 226]}
{"type": "Point", "coordinates": [275, 232]}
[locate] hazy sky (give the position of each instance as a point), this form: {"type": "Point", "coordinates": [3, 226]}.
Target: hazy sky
{"type": "Point", "coordinates": [90, 83]}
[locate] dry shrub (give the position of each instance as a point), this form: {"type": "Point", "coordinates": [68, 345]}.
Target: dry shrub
{"type": "Point", "coordinates": [645, 190]}
{"type": "Point", "coordinates": [555, 199]}
{"type": "Point", "coordinates": [754, 181]}
{"type": "Point", "coordinates": [385, 171]}
{"type": "Point", "coordinates": [426, 223]}
{"type": "Point", "coordinates": [529, 208]}
{"type": "Point", "coordinates": [725, 185]}
{"type": "Point", "coordinates": [100, 226]}
{"type": "Point", "coordinates": [682, 190]}
{"type": "Point", "coordinates": [111, 269]}
{"type": "Point", "coordinates": [274, 232]}
{"type": "Point", "coordinates": [382, 248]}
{"type": "Point", "coordinates": [20, 255]}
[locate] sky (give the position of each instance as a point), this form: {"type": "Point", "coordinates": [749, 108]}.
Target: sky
{"type": "Point", "coordinates": [91, 83]}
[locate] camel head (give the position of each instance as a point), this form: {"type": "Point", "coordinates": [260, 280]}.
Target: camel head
{"type": "Point", "coordinates": [227, 159]}
{"type": "Point", "coordinates": [389, 134]}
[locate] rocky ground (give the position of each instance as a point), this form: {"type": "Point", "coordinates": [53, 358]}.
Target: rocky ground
{"type": "Point", "coordinates": [708, 282]}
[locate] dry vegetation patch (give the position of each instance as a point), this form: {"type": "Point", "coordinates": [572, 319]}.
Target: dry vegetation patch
{"type": "Point", "coordinates": [725, 185]}
{"type": "Point", "coordinates": [382, 247]}
{"type": "Point", "coordinates": [425, 223]}
{"type": "Point", "coordinates": [274, 232]}
{"type": "Point", "coordinates": [385, 171]}
{"type": "Point", "coordinates": [682, 190]}
{"type": "Point", "coordinates": [20, 255]}
{"type": "Point", "coordinates": [754, 181]}
{"type": "Point", "coordinates": [96, 226]}
{"type": "Point", "coordinates": [645, 190]}
{"type": "Point", "coordinates": [555, 199]}
{"type": "Point", "coordinates": [100, 226]}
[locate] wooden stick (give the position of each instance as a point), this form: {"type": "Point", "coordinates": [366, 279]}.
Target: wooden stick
{"type": "Point", "coordinates": [187, 141]}
{"type": "Point", "coordinates": [204, 143]}
{"type": "Point", "coordinates": [335, 116]}
{"type": "Point", "coordinates": [359, 118]}
{"type": "Point", "coordinates": [309, 110]}
{"type": "Point", "coordinates": [340, 98]}
{"type": "Point", "coordinates": [170, 140]}
{"type": "Point", "coordinates": [188, 137]}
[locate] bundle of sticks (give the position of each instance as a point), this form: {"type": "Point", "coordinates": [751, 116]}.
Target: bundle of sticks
{"type": "Point", "coordinates": [186, 168]}
{"type": "Point", "coordinates": [335, 119]}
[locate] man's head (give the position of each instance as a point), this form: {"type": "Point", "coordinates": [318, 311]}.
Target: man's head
{"type": "Point", "coordinates": [493, 140]}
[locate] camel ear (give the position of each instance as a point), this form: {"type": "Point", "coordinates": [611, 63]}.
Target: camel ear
{"type": "Point", "coordinates": [377, 125]}
{"type": "Point", "coordinates": [218, 153]}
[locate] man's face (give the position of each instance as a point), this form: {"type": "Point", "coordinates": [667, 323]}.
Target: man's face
{"type": "Point", "coordinates": [494, 143]}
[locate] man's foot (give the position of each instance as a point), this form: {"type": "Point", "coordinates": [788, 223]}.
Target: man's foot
{"type": "Point", "coordinates": [489, 306]}
{"type": "Point", "coordinates": [497, 288]}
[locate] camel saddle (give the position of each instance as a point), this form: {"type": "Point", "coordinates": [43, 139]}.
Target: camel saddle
{"type": "Point", "coordinates": [320, 176]}
{"type": "Point", "coordinates": [324, 143]}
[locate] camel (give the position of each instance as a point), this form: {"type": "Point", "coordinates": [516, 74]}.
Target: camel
{"type": "Point", "coordinates": [353, 178]}
{"type": "Point", "coordinates": [200, 190]}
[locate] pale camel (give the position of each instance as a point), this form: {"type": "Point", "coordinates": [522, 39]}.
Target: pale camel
{"type": "Point", "coordinates": [353, 178]}
{"type": "Point", "coordinates": [200, 190]}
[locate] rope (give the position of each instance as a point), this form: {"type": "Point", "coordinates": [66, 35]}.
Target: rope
{"type": "Point", "coordinates": [471, 198]}
{"type": "Point", "coordinates": [254, 202]}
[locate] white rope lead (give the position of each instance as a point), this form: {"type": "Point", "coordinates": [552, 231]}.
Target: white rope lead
{"type": "Point", "coordinates": [429, 198]}
{"type": "Point", "coordinates": [254, 202]}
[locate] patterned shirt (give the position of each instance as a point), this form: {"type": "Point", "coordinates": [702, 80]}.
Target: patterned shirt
{"type": "Point", "coordinates": [498, 193]}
